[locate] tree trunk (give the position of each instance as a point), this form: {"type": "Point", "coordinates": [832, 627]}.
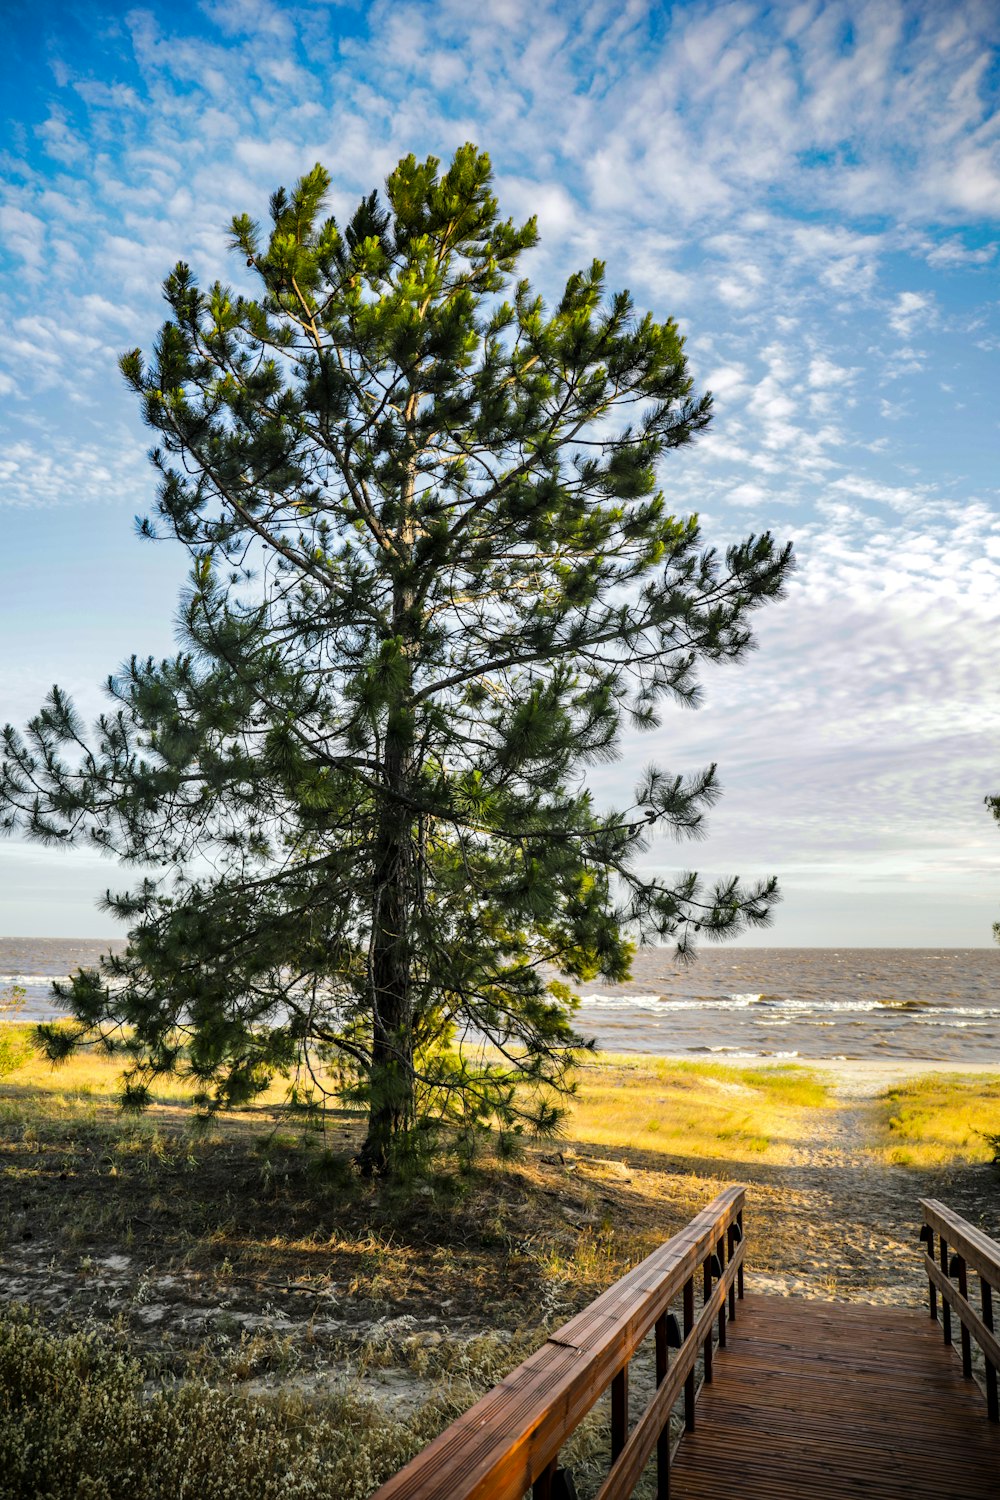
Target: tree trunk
{"type": "Point", "coordinates": [391, 1082]}
{"type": "Point", "coordinates": [392, 1092]}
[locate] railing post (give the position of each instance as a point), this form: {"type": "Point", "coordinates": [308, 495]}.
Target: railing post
{"type": "Point", "coordinates": [927, 1238]}
{"type": "Point", "coordinates": [663, 1441]}
{"type": "Point", "coordinates": [732, 1241]}
{"type": "Point", "coordinates": [963, 1287]}
{"type": "Point", "coordinates": [619, 1412]}
{"type": "Point", "coordinates": [706, 1348]}
{"type": "Point", "coordinates": [689, 1389]}
{"type": "Point", "coordinates": [542, 1487]}
{"type": "Point", "coordinates": [739, 1273]}
{"type": "Point", "coordinates": [945, 1306]}
{"type": "Point", "coordinates": [722, 1310]}
{"type": "Point", "coordinates": [992, 1404]}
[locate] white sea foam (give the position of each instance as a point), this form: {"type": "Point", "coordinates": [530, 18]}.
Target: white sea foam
{"type": "Point", "coordinates": [661, 1002]}
{"type": "Point", "coordinates": [802, 1009]}
{"type": "Point", "coordinates": [740, 1052]}
{"type": "Point", "coordinates": [33, 979]}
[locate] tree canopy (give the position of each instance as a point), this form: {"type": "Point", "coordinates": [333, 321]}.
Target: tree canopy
{"type": "Point", "coordinates": [433, 581]}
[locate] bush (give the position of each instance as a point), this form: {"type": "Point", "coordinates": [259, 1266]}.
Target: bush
{"type": "Point", "coordinates": [77, 1424]}
{"type": "Point", "coordinates": [992, 1139]}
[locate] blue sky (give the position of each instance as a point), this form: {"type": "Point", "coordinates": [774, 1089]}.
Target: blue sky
{"type": "Point", "coordinates": [812, 190]}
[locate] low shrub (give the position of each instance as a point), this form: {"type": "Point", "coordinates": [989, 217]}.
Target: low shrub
{"type": "Point", "coordinates": [77, 1423]}
{"type": "Point", "coordinates": [992, 1139]}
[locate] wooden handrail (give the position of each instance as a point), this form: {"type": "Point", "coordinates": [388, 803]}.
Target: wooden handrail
{"type": "Point", "coordinates": [510, 1440]}
{"type": "Point", "coordinates": [962, 1247]}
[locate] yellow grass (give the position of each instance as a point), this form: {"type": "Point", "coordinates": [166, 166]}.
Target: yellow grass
{"type": "Point", "coordinates": [694, 1109]}
{"type": "Point", "coordinates": [691, 1109]}
{"type": "Point", "coordinates": [941, 1118]}
{"type": "Point", "coordinates": [88, 1081]}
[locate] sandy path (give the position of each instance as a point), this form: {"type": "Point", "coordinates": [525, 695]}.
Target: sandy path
{"type": "Point", "coordinates": [854, 1217]}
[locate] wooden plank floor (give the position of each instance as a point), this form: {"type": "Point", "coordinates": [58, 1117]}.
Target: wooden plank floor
{"type": "Point", "coordinates": [818, 1399]}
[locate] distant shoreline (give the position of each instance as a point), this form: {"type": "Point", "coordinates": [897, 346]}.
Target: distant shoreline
{"type": "Point", "coordinates": [122, 937]}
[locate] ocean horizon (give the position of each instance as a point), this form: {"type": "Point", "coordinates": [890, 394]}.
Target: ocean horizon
{"type": "Point", "coordinates": [938, 1004]}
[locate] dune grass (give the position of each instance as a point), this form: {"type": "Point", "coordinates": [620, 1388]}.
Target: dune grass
{"type": "Point", "coordinates": [700, 1109]}
{"type": "Point", "coordinates": [88, 1074]}
{"type": "Point", "coordinates": [703, 1109]}
{"type": "Point", "coordinates": [940, 1118]}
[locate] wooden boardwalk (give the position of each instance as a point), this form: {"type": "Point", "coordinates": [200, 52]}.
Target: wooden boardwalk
{"type": "Point", "coordinates": [825, 1399]}
{"type": "Point", "coordinates": [801, 1400]}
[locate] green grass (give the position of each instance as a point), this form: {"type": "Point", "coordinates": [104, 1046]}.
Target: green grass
{"type": "Point", "coordinates": [15, 1048]}
{"type": "Point", "coordinates": [941, 1118]}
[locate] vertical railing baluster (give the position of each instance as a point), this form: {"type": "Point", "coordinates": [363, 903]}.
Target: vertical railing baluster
{"type": "Point", "coordinates": [927, 1237]}
{"type": "Point", "coordinates": [706, 1348]}
{"type": "Point", "coordinates": [963, 1287]}
{"type": "Point", "coordinates": [731, 1236]}
{"type": "Point", "coordinates": [619, 1412]}
{"type": "Point", "coordinates": [945, 1306]}
{"type": "Point", "coordinates": [722, 1308]}
{"type": "Point", "coordinates": [663, 1441]}
{"type": "Point", "coordinates": [542, 1487]}
{"type": "Point", "coordinates": [992, 1404]}
{"type": "Point", "coordinates": [688, 1327]}
{"type": "Point", "coordinates": [739, 1273]}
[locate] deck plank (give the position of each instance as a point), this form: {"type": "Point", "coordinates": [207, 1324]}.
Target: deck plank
{"type": "Point", "coordinates": [832, 1400]}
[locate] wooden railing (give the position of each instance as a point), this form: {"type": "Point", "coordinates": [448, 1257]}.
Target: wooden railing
{"type": "Point", "coordinates": [962, 1248]}
{"type": "Point", "coordinates": [509, 1442]}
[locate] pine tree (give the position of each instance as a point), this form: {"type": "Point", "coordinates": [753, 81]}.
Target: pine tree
{"type": "Point", "coordinates": [432, 581]}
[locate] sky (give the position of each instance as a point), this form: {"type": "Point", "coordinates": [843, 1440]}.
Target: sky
{"type": "Point", "coordinates": [811, 189]}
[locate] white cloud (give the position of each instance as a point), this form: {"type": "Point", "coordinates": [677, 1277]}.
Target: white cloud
{"type": "Point", "coordinates": [823, 373]}
{"type": "Point", "coordinates": [23, 234]}
{"type": "Point", "coordinates": [911, 312]}
{"type": "Point", "coordinates": [954, 252]}
{"type": "Point", "coordinates": [727, 381]}
{"type": "Point", "coordinates": [748, 493]}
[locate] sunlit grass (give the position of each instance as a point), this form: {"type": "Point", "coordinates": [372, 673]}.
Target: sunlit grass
{"type": "Point", "coordinates": [937, 1119]}
{"type": "Point", "coordinates": [697, 1109]}
{"type": "Point", "coordinates": [694, 1109]}
{"type": "Point", "coordinates": [88, 1081]}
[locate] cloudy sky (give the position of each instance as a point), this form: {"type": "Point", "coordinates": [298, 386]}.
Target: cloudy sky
{"type": "Point", "coordinates": [812, 190]}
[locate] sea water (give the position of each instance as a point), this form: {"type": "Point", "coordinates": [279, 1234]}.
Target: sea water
{"type": "Point", "coordinates": [941, 1004]}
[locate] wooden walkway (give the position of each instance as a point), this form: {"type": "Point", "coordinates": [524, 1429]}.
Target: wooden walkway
{"type": "Point", "coordinates": [800, 1400]}
{"type": "Point", "coordinates": [824, 1399]}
